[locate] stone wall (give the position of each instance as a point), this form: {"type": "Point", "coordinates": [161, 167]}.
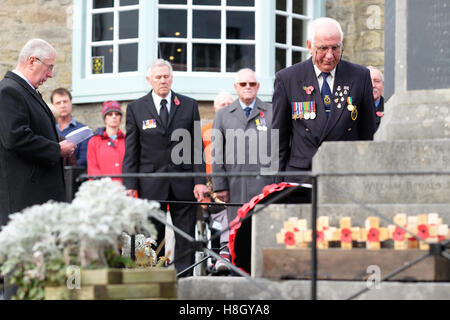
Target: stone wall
{"type": "Point", "coordinates": [362, 22]}
{"type": "Point", "coordinates": [51, 20]}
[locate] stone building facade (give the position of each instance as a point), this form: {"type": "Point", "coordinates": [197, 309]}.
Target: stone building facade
{"type": "Point", "coordinates": [52, 20]}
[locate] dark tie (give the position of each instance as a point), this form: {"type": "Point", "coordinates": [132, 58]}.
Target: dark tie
{"type": "Point", "coordinates": [326, 93]}
{"type": "Point", "coordinates": [163, 113]}
{"type": "Point", "coordinates": [247, 111]}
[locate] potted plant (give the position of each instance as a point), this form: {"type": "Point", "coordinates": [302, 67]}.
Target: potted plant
{"type": "Point", "coordinates": [40, 243]}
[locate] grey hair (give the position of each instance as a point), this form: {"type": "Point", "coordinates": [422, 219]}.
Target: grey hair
{"type": "Point", "coordinates": [313, 28]}
{"type": "Point", "coordinates": [236, 80]}
{"type": "Point", "coordinates": [159, 63]}
{"type": "Point", "coordinates": [376, 69]}
{"type": "Point", "coordinates": [222, 95]}
{"type": "Point", "coordinates": [36, 48]}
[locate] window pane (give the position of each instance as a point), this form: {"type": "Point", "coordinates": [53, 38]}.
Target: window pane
{"type": "Point", "coordinates": [281, 5]}
{"type": "Point", "coordinates": [299, 6]}
{"type": "Point", "coordinates": [206, 57]}
{"type": "Point", "coordinates": [103, 27]}
{"type": "Point", "coordinates": [128, 2]}
{"type": "Point", "coordinates": [129, 24]}
{"type": "Point", "coordinates": [280, 59]}
{"type": "Point", "coordinates": [206, 24]}
{"type": "Point", "coordinates": [207, 2]}
{"type": "Point", "coordinates": [239, 57]}
{"type": "Point", "coordinates": [128, 54]}
{"type": "Point", "coordinates": [172, 1]}
{"type": "Point", "coordinates": [281, 29]}
{"type": "Point", "coordinates": [241, 25]}
{"type": "Point", "coordinates": [98, 4]}
{"type": "Point", "coordinates": [298, 56]}
{"type": "Point", "coordinates": [175, 53]}
{"type": "Point", "coordinates": [298, 32]}
{"type": "Point", "coordinates": [102, 59]}
{"type": "Point", "coordinates": [241, 3]}
{"type": "Point", "coordinates": [173, 23]}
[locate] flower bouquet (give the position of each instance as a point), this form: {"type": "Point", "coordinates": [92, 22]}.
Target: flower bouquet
{"type": "Point", "coordinates": [39, 243]}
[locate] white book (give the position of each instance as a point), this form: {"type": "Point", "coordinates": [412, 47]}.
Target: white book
{"type": "Point", "coordinates": [79, 135]}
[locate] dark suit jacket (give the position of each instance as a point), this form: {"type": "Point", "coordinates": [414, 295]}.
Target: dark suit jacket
{"type": "Point", "coordinates": [31, 168]}
{"type": "Point", "coordinates": [300, 139]}
{"type": "Point", "coordinates": [148, 147]}
{"type": "Point", "coordinates": [380, 108]}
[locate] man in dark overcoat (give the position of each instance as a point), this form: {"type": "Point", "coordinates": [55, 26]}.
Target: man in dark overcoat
{"type": "Point", "coordinates": [31, 167]}
{"type": "Point", "coordinates": [158, 126]}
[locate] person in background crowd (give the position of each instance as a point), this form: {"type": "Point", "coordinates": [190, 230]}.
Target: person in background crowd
{"type": "Point", "coordinates": [67, 161]}
{"type": "Point", "coordinates": [150, 123]}
{"type": "Point", "coordinates": [106, 148]}
{"type": "Point", "coordinates": [61, 98]}
{"type": "Point", "coordinates": [378, 89]}
{"type": "Point", "coordinates": [218, 214]}
{"type": "Point", "coordinates": [31, 166]}
{"type": "Point", "coordinates": [241, 127]}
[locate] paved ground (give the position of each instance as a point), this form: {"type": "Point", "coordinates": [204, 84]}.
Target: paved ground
{"type": "Point", "coordinates": [237, 288]}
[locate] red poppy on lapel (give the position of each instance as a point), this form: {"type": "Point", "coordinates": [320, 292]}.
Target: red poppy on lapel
{"type": "Point", "coordinates": [309, 89]}
{"type": "Point", "coordinates": [177, 101]}
{"type": "Point", "coordinates": [261, 114]}
{"type": "Point", "coordinates": [380, 114]}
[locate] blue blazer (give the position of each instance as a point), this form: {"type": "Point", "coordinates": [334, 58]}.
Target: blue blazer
{"type": "Point", "coordinates": [301, 138]}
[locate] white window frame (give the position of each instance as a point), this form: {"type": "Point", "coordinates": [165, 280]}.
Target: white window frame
{"type": "Point", "coordinates": [115, 43]}
{"type": "Point", "coordinates": [223, 41]}
{"type": "Point", "coordinates": [290, 16]}
{"type": "Point", "coordinates": [202, 86]}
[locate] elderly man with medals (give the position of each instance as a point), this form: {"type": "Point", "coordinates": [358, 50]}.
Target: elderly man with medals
{"type": "Point", "coordinates": [321, 99]}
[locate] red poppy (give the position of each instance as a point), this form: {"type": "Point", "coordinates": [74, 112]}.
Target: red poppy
{"type": "Point", "coordinates": [346, 235]}
{"type": "Point", "coordinates": [380, 114]}
{"type": "Point", "coordinates": [261, 114]}
{"type": "Point", "coordinates": [320, 236]}
{"type": "Point", "coordinates": [373, 235]}
{"type": "Point", "coordinates": [177, 102]}
{"type": "Point", "coordinates": [289, 238]}
{"type": "Point", "coordinates": [423, 231]}
{"type": "Point", "coordinates": [399, 234]}
{"type": "Point", "coordinates": [309, 89]}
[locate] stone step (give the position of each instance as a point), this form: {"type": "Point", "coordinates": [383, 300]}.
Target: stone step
{"type": "Point", "coordinates": [388, 158]}
{"type": "Point", "coordinates": [238, 288]}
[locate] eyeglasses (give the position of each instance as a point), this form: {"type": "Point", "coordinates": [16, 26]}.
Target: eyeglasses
{"type": "Point", "coordinates": [325, 49]}
{"type": "Point", "coordinates": [244, 84]}
{"type": "Point", "coordinates": [49, 67]}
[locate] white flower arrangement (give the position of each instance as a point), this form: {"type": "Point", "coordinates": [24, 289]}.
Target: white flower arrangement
{"type": "Point", "coordinates": [91, 224]}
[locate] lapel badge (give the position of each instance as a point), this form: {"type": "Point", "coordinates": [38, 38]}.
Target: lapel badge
{"type": "Point", "coordinates": [177, 101]}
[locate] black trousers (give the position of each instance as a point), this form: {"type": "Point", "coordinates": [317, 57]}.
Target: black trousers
{"type": "Point", "coordinates": [183, 217]}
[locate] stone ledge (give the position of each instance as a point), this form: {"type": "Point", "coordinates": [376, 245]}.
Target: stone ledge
{"type": "Point", "coordinates": [237, 288]}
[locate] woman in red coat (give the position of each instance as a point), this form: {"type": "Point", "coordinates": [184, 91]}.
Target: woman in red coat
{"type": "Point", "coordinates": [106, 148]}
